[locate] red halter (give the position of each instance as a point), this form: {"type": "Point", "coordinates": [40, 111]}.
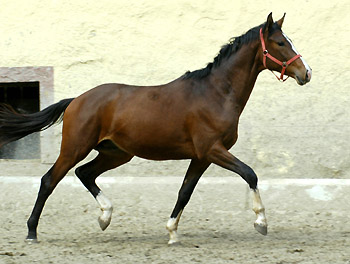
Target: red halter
{"type": "Point", "coordinates": [284, 64]}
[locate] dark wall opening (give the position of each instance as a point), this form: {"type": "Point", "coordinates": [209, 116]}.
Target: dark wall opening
{"type": "Point", "coordinates": [24, 97]}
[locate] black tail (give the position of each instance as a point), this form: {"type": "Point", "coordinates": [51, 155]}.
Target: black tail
{"type": "Point", "coordinates": [14, 125]}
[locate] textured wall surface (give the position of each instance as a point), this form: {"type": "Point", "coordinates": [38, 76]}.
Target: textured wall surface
{"type": "Point", "coordinates": [285, 131]}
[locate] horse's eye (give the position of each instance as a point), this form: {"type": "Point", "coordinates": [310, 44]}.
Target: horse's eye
{"type": "Point", "coordinates": [281, 43]}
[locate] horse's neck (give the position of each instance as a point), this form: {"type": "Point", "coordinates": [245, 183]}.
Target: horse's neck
{"type": "Point", "coordinates": [240, 72]}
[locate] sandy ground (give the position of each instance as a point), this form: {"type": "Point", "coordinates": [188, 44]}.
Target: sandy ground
{"type": "Point", "coordinates": [308, 222]}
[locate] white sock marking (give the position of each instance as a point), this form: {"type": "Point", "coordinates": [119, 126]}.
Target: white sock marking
{"type": "Point", "coordinates": [259, 209]}
{"type": "Point", "coordinates": [172, 228]}
{"type": "Point", "coordinates": [106, 208]}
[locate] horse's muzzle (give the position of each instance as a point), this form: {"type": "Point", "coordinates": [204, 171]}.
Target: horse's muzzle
{"type": "Point", "coordinates": [306, 79]}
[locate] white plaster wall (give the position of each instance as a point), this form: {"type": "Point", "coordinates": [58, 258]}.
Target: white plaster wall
{"type": "Point", "coordinates": [285, 131]}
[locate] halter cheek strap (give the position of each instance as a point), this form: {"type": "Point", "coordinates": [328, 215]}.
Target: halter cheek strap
{"type": "Point", "coordinates": [284, 64]}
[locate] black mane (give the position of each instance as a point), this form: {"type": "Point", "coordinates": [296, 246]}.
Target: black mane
{"type": "Point", "coordinates": [226, 51]}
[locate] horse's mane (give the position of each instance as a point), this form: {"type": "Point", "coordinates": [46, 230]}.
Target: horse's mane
{"type": "Point", "coordinates": [235, 43]}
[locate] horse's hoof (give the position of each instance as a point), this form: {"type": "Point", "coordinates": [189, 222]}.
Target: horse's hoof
{"type": "Point", "coordinates": [31, 241]}
{"type": "Point", "coordinates": [173, 237]}
{"type": "Point", "coordinates": [173, 242]}
{"type": "Point", "coordinates": [262, 229]}
{"type": "Point", "coordinates": [103, 224]}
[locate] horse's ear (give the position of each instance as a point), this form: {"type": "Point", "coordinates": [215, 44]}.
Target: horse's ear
{"type": "Point", "coordinates": [269, 22]}
{"type": "Point", "coordinates": [280, 22]}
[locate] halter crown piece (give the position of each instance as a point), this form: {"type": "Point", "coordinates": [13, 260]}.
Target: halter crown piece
{"type": "Point", "coordinates": [284, 64]}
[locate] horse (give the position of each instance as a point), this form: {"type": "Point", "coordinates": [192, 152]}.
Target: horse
{"type": "Point", "coordinates": [192, 117]}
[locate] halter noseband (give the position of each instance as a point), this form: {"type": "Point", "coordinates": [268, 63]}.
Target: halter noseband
{"type": "Point", "coordinates": [284, 64]}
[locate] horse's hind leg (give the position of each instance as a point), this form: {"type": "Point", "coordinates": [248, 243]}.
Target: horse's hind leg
{"type": "Point", "coordinates": [193, 174]}
{"type": "Point", "coordinates": [88, 173]}
{"type": "Point", "coordinates": [48, 183]}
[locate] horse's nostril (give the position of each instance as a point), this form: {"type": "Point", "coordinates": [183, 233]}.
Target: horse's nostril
{"type": "Point", "coordinates": [308, 75]}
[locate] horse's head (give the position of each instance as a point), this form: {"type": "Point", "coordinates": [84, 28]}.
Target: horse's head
{"type": "Point", "coordinates": [279, 54]}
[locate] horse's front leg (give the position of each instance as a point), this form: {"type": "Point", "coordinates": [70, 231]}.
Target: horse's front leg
{"type": "Point", "coordinates": [222, 157]}
{"type": "Point", "coordinates": [193, 174]}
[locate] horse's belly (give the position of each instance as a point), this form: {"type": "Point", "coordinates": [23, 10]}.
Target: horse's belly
{"type": "Point", "coordinates": [156, 148]}
{"type": "Point", "coordinates": [160, 153]}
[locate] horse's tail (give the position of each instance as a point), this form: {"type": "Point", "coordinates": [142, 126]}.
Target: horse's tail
{"type": "Point", "coordinates": [14, 125]}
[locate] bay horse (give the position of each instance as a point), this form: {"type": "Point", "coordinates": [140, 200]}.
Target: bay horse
{"type": "Point", "coordinates": [193, 117]}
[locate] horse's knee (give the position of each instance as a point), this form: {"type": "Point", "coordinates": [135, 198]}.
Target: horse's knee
{"type": "Point", "coordinates": [184, 196]}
